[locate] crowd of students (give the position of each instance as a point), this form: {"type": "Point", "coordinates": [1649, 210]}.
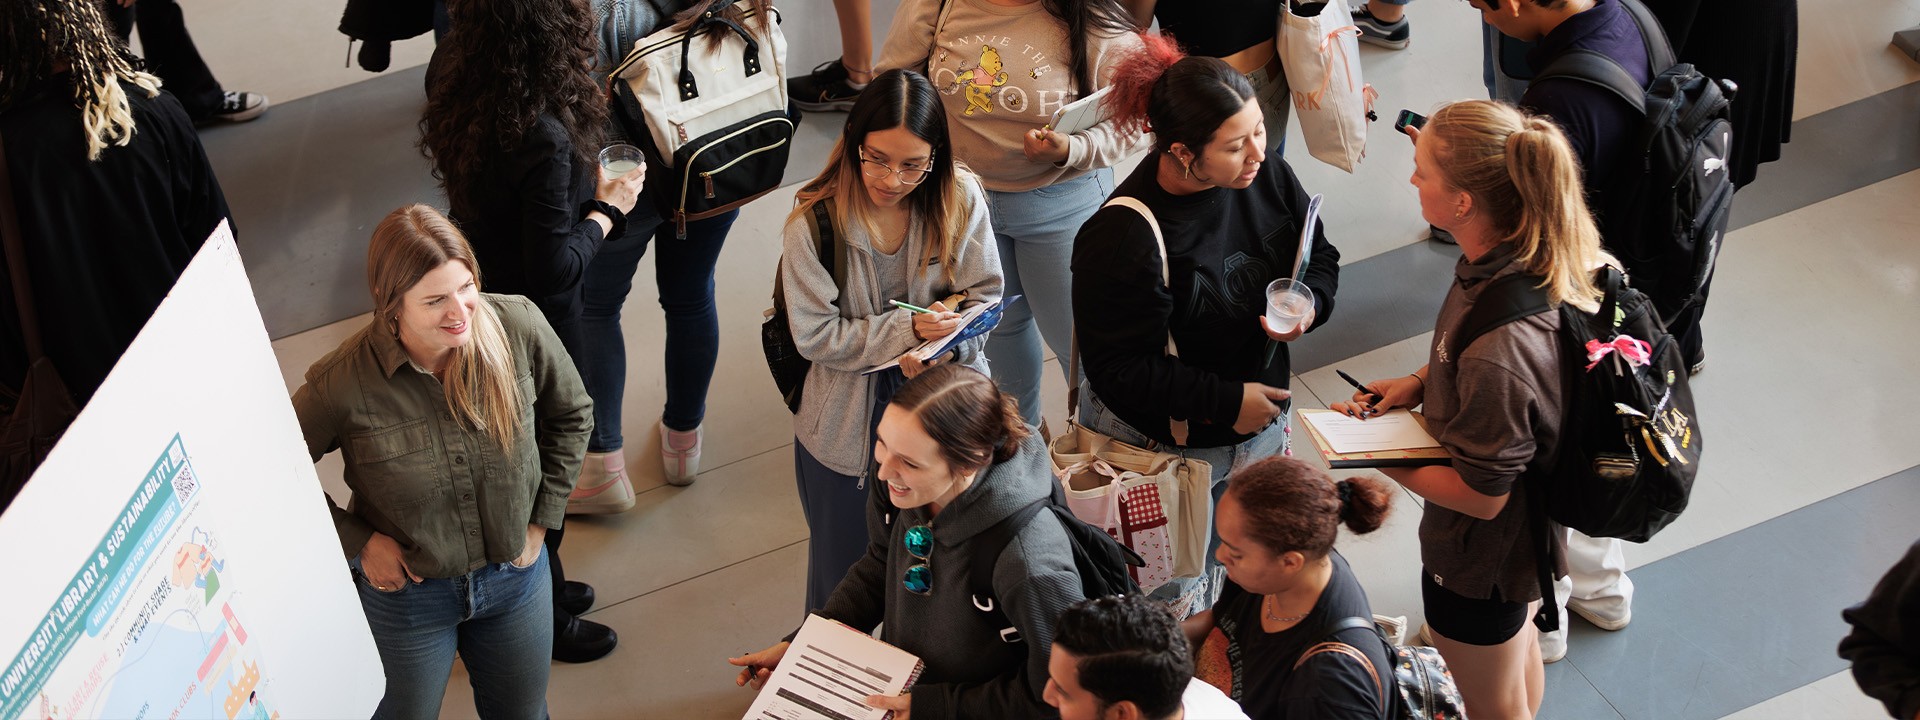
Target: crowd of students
{"type": "Point", "coordinates": [473, 422]}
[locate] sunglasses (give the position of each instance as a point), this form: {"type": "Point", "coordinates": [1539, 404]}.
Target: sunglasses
{"type": "Point", "coordinates": [919, 543]}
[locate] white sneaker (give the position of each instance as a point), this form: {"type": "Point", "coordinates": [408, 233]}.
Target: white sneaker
{"type": "Point", "coordinates": [603, 488]}
{"type": "Point", "coordinates": [1553, 646]}
{"type": "Point", "coordinates": [680, 454]}
{"type": "Point", "coordinates": [1610, 615]}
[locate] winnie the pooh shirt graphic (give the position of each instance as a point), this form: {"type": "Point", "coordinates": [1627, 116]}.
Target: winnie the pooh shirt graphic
{"type": "Point", "coordinates": [1003, 71]}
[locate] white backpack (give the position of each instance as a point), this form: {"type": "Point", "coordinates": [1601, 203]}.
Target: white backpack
{"type": "Point", "coordinates": [712, 114]}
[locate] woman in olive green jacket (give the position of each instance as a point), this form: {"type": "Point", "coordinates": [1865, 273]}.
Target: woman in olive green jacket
{"type": "Point", "coordinates": [462, 423]}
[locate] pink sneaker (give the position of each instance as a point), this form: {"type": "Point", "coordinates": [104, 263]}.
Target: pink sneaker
{"type": "Point", "coordinates": [680, 454]}
{"type": "Point", "coordinates": [603, 488]}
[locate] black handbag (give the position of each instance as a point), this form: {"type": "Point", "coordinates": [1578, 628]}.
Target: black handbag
{"type": "Point", "coordinates": [784, 360]}
{"type": "Point", "coordinates": [1421, 685]}
{"type": "Point", "coordinates": [38, 412]}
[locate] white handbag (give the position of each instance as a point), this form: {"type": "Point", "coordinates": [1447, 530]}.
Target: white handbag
{"type": "Point", "coordinates": [1321, 55]}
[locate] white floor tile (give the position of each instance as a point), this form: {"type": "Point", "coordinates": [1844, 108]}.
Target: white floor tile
{"type": "Point", "coordinates": [1835, 697]}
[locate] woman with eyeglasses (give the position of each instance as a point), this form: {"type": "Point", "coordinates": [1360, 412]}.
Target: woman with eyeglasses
{"type": "Point", "coordinates": [956, 460]}
{"type": "Point", "coordinates": [908, 224]}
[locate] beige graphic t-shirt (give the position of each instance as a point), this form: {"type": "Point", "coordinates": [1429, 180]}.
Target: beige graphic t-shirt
{"type": "Point", "coordinates": [1002, 71]}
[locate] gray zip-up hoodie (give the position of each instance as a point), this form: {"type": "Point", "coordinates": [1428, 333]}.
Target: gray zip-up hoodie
{"type": "Point", "coordinates": [976, 667]}
{"type": "Point", "coordinates": [846, 333]}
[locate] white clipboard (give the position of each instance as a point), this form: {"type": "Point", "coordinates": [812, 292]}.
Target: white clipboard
{"type": "Point", "coordinates": [1081, 115]}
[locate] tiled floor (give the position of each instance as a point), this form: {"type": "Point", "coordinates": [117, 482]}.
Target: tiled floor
{"type": "Point", "coordinates": [1802, 406]}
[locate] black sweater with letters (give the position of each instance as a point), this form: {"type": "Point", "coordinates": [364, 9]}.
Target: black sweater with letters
{"type": "Point", "coordinates": [1224, 246]}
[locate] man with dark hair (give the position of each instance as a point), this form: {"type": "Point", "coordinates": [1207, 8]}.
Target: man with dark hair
{"type": "Point", "coordinates": [1124, 658]}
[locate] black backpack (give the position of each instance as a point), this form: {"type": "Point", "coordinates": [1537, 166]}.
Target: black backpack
{"type": "Point", "coordinates": [784, 360]}
{"type": "Point", "coordinates": [1667, 221]}
{"type": "Point", "coordinates": [1099, 558]}
{"type": "Point", "coordinates": [1630, 442]}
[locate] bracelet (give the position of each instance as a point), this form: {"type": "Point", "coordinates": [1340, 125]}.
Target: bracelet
{"type": "Point", "coordinates": [1416, 376]}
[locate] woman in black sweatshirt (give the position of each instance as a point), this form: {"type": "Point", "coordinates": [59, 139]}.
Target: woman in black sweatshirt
{"type": "Point", "coordinates": [1230, 215]}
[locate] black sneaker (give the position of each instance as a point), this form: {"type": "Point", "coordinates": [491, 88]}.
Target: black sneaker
{"type": "Point", "coordinates": [581, 641]}
{"type": "Point", "coordinates": [823, 90]}
{"type": "Point", "coordinates": [1389, 35]}
{"type": "Point", "coordinates": [240, 107]}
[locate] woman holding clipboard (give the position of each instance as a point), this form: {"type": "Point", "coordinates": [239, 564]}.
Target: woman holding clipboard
{"type": "Point", "coordinates": [1168, 295]}
{"type": "Point", "coordinates": [1507, 185]}
{"type": "Point", "coordinates": [907, 223]}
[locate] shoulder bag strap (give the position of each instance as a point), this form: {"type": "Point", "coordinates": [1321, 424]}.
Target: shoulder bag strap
{"type": "Point", "coordinates": [1505, 300]}
{"type": "Point", "coordinates": [1178, 428]}
{"type": "Point", "coordinates": [1328, 644]}
{"type": "Point", "coordinates": [17, 263]}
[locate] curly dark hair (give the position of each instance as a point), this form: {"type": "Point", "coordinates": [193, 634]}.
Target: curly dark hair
{"type": "Point", "coordinates": [506, 63]}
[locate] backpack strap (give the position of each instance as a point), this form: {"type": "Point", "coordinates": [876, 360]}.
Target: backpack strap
{"type": "Point", "coordinates": [820, 226]}
{"type": "Point", "coordinates": [1659, 50]}
{"type": "Point", "coordinates": [987, 547]}
{"type": "Point", "coordinates": [1504, 300]}
{"type": "Point", "coordinates": [1328, 644]}
{"type": "Point", "coordinates": [1593, 68]}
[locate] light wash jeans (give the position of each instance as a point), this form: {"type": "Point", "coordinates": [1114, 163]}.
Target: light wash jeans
{"type": "Point", "coordinates": [499, 618]}
{"type": "Point", "coordinates": [1035, 230]}
{"type": "Point", "coordinates": [1192, 595]}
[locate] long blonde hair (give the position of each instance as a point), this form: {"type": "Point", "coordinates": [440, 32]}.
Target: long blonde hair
{"type": "Point", "coordinates": [897, 99]}
{"type": "Point", "coordinates": [1521, 171]}
{"type": "Point", "coordinates": [482, 384]}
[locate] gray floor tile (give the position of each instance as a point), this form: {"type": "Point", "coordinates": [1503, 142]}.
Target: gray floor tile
{"type": "Point", "coordinates": [1732, 622]}
{"type": "Point", "coordinates": [307, 187]}
{"type": "Point", "coordinates": [1570, 697]}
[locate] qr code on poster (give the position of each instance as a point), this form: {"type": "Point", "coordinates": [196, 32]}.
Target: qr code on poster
{"type": "Point", "coordinates": [184, 484]}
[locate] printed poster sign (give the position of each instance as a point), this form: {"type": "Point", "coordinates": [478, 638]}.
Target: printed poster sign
{"type": "Point", "coordinates": [175, 558]}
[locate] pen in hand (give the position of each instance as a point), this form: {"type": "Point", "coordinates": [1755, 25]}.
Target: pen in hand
{"type": "Point", "coordinates": [909, 308]}
{"type": "Point", "coordinates": [1373, 398]}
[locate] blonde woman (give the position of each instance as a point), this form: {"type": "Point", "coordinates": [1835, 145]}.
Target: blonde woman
{"type": "Point", "coordinates": [462, 423]}
{"type": "Point", "coordinates": [1507, 185]}
{"type": "Point", "coordinates": [910, 225]}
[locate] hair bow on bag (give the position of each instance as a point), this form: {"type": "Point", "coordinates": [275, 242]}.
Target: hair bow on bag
{"type": "Point", "coordinates": [1635, 352]}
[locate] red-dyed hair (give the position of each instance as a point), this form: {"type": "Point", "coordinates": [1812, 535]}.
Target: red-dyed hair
{"type": "Point", "coordinates": [1180, 98]}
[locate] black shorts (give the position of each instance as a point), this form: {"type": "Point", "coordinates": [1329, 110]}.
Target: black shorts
{"type": "Point", "coordinates": [1470, 620]}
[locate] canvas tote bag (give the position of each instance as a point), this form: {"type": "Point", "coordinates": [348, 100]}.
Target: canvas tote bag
{"type": "Point", "coordinates": [1321, 54]}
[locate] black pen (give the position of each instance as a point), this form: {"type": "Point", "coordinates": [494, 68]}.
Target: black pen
{"type": "Point", "coordinates": [1377, 397]}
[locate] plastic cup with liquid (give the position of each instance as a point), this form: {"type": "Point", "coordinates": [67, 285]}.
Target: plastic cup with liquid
{"type": "Point", "coordinates": [619, 159]}
{"type": "Point", "coordinates": [1288, 303]}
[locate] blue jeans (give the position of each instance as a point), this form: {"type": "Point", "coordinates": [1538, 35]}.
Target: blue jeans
{"type": "Point", "coordinates": [1035, 231]}
{"type": "Point", "coordinates": [1192, 595]}
{"type": "Point", "coordinates": [499, 618]}
{"type": "Point", "coordinates": [683, 267]}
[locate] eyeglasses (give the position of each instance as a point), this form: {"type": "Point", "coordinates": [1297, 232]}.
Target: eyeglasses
{"type": "Point", "coordinates": [919, 542]}
{"type": "Point", "coordinates": [881, 171]}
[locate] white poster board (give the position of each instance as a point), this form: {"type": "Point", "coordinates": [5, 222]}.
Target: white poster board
{"type": "Point", "coordinates": [174, 557]}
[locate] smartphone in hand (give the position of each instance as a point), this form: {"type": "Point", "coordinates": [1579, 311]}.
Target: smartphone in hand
{"type": "Point", "coordinates": [1409, 119]}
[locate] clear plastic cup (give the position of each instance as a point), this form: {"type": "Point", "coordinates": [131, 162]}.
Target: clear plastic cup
{"type": "Point", "coordinates": [1288, 302]}
{"type": "Point", "coordinates": [619, 159]}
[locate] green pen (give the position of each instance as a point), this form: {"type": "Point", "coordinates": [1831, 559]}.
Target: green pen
{"type": "Point", "coordinates": [912, 308]}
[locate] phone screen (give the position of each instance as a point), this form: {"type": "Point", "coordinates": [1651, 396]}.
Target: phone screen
{"type": "Point", "coordinates": [1409, 118]}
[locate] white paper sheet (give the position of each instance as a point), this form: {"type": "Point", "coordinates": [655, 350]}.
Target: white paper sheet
{"type": "Point", "coordinates": [1396, 430]}
{"type": "Point", "coordinates": [828, 672]}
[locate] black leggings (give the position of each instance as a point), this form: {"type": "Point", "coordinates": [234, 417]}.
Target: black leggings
{"type": "Point", "coordinates": [1468, 620]}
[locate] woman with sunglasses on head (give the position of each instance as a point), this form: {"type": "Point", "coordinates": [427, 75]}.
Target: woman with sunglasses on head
{"type": "Point", "coordinates": [1507, 185]}
{"type": "Point", "coordinates": [1286, 588]}
{"type": "Point", "coordinates": [956, 460]}
{"type": "Point", "coordinates": [909, 225]}
{"type": "Point", "coordinates": [1224, 219]}
{"type": "Point", "coordinates": [462, 423]}
{"type": "Point", "coordinates": [1003, 68]}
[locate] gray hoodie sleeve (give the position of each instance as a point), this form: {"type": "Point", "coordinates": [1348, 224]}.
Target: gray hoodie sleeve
{"type": "Point", "coordinates": [813, 310]}
{"type": "Point", "coordinates": [1042, 592]}
{"type": "Point", "coordinates": [979, 264]}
